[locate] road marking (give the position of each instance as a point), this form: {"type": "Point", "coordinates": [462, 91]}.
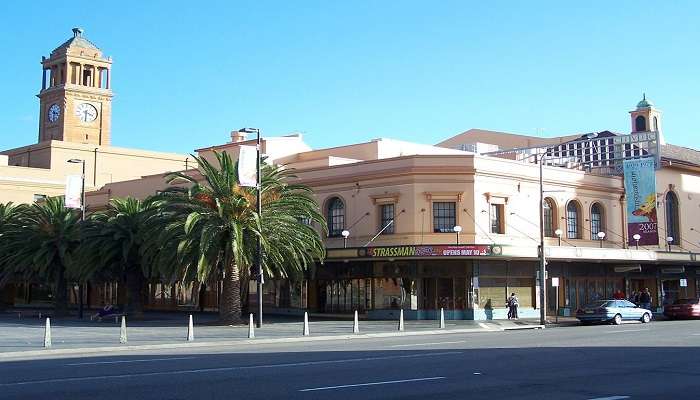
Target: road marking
{"type": "Point", "coordinates": [427, 344]}
{"type": "Point", "coordinates": [224, 369]}
{"type": "Point", "coordinates": [434, 378]}
{"type": "Point", "coordinates": [477, 373]}
{"type": "Point", "coordinates": [628, 330]}
{"type": "Point", "coordinates": [611, 398]}
{"type": "Point", "coordinates": [130, 361]}
{"type": "Point", "coordinates": [483, 325]}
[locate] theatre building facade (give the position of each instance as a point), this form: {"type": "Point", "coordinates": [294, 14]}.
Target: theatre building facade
{"type": "Point", "coordinates": [456, 226]}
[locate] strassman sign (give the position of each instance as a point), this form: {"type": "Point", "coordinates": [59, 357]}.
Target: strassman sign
{"type": "Point", "coordinates": [473, 250]}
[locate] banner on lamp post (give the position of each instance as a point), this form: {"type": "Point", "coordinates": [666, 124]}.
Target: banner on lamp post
{"type": "Point", "coordinates": [640, 191]}
{"type": "Point", "coordinates": [247, 166]}
{"type": "Point", "coordinates": [74, 184]}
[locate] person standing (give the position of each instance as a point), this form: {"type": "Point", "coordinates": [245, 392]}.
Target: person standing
{"type": "Point", "coordinates": [645, 299]}
{"type": "Point", "coordinates": [512, 306]}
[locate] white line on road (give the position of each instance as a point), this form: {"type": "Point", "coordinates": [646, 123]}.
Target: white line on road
{"type": "Point", "coordinates": [427, 344]}
{"type": "Point", "coordinates": [225, 369]}
{"type": "Point", "coordinates": [611, 398]}
{"type": "Point", "coordinates": [130, 361]}
{"type": "Point", "coordinates": [628, 330]}
{"type": "Point", "coordinates": [434, 378]}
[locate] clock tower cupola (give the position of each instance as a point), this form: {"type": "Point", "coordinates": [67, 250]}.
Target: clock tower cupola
{"type": "Point", "coordinates": [75, 102]}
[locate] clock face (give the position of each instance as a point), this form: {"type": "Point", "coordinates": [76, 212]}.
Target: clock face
{"type": "Point", "coordinates": [54, 112]}
{"type": "Point", "coordinates": [86, 112]}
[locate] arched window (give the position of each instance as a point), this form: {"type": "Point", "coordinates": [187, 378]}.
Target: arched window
{"type": "Point", "coordinates": [548, 212]}
{"type": "Point", "coordinates": [335, 216]}
{"type": "Point", "coordinates": [573, 216]}
{"type": "Point", "coordinates": [672, 226]}
{"type": "Point", "coordinates": [640, 124]}
{"type": "Point", "coordinates": [656, 124]}
{"type": "Point", "coordinates": [596, 220]}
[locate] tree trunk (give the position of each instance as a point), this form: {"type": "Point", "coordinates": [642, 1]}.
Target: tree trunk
{"type": "Point", "coordinates": [134, 287]}
{"type": "Point", "coordinates": [60, 297]}
{"type": "Point", "coordinates": [230, 304]}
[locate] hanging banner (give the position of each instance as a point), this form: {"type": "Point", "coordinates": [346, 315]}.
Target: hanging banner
{"type": "Point", "coordinates": [74, 184]}
{"type": "Point", "coordinates": [247, 168]}
{"type": "Point", "coordinates": [640, 190]}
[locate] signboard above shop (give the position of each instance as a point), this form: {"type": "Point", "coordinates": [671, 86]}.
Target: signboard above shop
{"type": "Point", "coordinates": [470, 250]}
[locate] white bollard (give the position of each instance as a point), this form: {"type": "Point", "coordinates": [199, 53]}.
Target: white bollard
{"type": "Point", "coordinates": [251, 327]}
{"type": "Point", "coordinates": [190, 330]}
{"type": "Point", "coordinates": [442, 318]}
{"type": "Point", "coordinates": [122, 331]}
{"type": "Point", "coordinates": [306, 323]}
{"type": "Point", "coordinates": [356, 324]}
{"type": "Point", "coordinates": [401, 321]}
{"type": "Point", "coordinates": [47, 333]}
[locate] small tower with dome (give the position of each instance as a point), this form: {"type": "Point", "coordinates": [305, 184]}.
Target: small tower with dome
{"type": "Point", "coordinates": [647, 118]}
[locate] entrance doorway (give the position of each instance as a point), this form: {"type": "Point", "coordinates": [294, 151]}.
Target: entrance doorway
{"type": "Point", "coordinates": [670, 289]}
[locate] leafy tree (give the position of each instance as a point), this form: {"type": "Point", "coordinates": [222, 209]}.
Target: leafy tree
{"type": "Point", "coordinates": [112, 247]}
{"type": "Point", "coordinates": [39, 245]}
{"type": "Point", "coordinates": [211, 228]}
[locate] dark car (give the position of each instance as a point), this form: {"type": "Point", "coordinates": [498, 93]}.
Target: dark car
{"type": "Point", "coordinates": [683, 308]}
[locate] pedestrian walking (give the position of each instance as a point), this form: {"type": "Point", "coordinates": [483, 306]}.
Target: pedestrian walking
{"type": "Point", "coordinates": [645, 299]}
{"type": "Point", "coordinates": [512, 303]}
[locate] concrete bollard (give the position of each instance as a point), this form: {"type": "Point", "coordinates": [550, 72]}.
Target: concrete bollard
{"type": "Point", "coordinates": [190, 330]}
{"type": "Point", "coordinates": [122, 331]}
{"type": "Point", "coordinates": [306, 324]}
{"type": "Point", "coordinates": [442, 318]}
{"type": "Point", "coordinates": [47, 334]}
{"type": "Point", "coordinates": [401, 321]}
{"type": "Point", "coordinates": [356, 324]}
{"type": "Point", "coordinates": [251, 327]}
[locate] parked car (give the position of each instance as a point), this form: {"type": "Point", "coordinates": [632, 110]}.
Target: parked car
{"type": "Point", "coordinates": [683, 308]}
{"type": "Point", "coordinates": [614, 311]}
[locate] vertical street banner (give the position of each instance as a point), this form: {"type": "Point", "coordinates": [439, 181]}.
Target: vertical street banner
{"type": "Point", "coordinates": [74, 185]}
{"type": "Point", "coordinates": [640, 191]}
{"type": "Point", "coordinates": [247, 166]}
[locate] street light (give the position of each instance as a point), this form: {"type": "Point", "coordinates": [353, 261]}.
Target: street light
{"type": "Point", "coordinates": [457, 229]}
{"type": "Point", "coordinates": [543, 261]}
{"type": "Point", "coordinates": [345, 234]}
{"type": "Point", "coordinates": [558, 232]}
{"type": "Point", "coordinates": [82, 218]}
{"type": "Point", "coordinates": [258, 251]}
{"type": "Point", "coordinates": [601, 237]}
{"type": "Point", "coordinates": [636, 238]}
{"type": "Point", "coordinates": [669, 240]}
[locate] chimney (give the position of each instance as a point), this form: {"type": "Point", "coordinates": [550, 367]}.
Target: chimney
{"type": "Point", "coordinates": [237, 136]}
{"type": "Point", "coordinates": [77, 32]}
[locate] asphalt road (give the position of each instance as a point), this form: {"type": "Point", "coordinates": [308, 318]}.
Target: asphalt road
{"type": "Point", "coordinates": [633, 361]}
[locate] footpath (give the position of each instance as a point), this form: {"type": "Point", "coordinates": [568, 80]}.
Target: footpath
{"type": "Point", "coordinates": [24, 336]}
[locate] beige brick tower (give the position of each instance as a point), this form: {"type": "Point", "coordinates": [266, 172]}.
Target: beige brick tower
{"type": "Point", "coordinates": [76, 95]}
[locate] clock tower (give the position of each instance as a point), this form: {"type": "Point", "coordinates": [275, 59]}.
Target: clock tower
{"type": "Point", "coordinates": [75, 102]}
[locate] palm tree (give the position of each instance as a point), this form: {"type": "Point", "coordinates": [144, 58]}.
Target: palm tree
{"type": "Point", "coordinates": [39, 246]}
{"type": "Point", "coordinates": [112, 247]}
{"type": "Point", "coordinates": [9, 217]}
{"type": "Point", "coordinates": [216, 225]}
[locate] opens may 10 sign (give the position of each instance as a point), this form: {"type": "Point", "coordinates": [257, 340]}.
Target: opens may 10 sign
{"type": "Point", "coordinates": [640, 189]}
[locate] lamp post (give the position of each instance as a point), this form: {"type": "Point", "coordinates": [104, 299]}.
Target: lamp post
{"type": "Point", "coordinates": [636, 238]}
{"type": "Point", "coordinates": [345, 234]}
{"type": "Point", "coordinates": [558, 232]}
{"type": "Point", "coordinates": [543, 261]}
{"type": "Point", "coordinates": [669, 240]}
{"type": "Point", "coordinates": [82, 218]}
{"type": "Point", "coordinates": [258, 244]}
{"type": "Point", "coordinates": [457, 229]}
{"type": "Point", "coordinates": [601, 237]}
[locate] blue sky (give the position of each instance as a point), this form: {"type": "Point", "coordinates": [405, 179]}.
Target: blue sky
{"type": "Point", "coordinates": [186, 73]}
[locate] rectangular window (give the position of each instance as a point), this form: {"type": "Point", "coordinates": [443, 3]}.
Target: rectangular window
{"type": "Point", "coordinates": [386, 218]}
{"type": "Point", "coordinates": [496, 216]}
{"type": "Point", "coordinates": [444, 217]}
